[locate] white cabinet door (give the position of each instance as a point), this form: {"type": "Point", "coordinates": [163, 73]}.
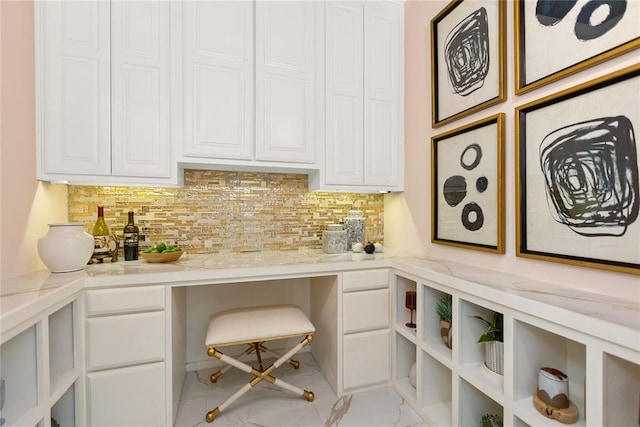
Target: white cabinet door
{"type": "Point", "coordinates": [133, 396]}
{"type": "Point", "coordinates": [364, 134]}
{"type": "Point", "coordinates": [74, 89]}
{"type": "Point", "coordinates": [218, 79]}
{"type": "Point", "coordinates": [365, 310]}
{"type": "Point", "coordinates": [344, 93]}
{"type": "Point", "coordinates": [287, 41]}
{"type": "Point", "coordinates": [382, 93]}
{"type": "Point", "coordinates": [367, 358]}
{"type": "Point", "coordinates": [140, 85]}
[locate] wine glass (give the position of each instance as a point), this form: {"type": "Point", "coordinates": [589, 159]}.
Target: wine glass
{"type": "Point", "coordinates": [410, 303]}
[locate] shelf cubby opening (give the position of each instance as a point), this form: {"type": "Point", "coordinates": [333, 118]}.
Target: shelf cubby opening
{"type": "Point", "coordinates": [63, 412]}
{"type": "Point", "coordinates": [472, 353]}
{"type": "Point", "coordinates": [621, 391]}
{"type": "Point", "coordinates": [405, 358]}
{"type": "Point", "coordinates": [403, 314]}
{"type": "Point", "coordinates": [435, 390]}
{"type": "Point", "coordinates": [474, 404]}
{"type": "Point", "coordinates": [535, 348]}
{"type": "Point", "coordinates": [61, 344]}
{"type": "Point", "coordinates": [430, 325]}
{"type": "Point", "coordinates": [19, 371]}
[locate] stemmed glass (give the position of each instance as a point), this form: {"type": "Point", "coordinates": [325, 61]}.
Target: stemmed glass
{"type": "Point", "coordinates": [410, 303]}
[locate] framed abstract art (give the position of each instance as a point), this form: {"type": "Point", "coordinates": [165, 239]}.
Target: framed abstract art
{"type": "Point", "coordinates": [468, 40]}
{"type": "Point", "coordinates": [577, 182]}
{"type": "Point", "coordinates": [556, 38]}
{"type": "Point", "coordinates": [467, 186]}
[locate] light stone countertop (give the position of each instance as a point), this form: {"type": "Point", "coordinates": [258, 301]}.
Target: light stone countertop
{"type": "Point", "coordinates": [25, 295]}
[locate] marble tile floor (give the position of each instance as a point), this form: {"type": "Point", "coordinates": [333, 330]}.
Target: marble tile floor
{"type": "Point", "coordinates": [269, 406]}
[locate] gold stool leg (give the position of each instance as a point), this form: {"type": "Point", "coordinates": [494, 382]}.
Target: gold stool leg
{"type": "Point", "coordinates": [214, 377]}
{"type": "Point", "coordinates": [211, 415]}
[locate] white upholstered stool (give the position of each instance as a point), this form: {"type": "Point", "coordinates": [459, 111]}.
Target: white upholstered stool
{"type": "Point", "coordinates": [254, 326]}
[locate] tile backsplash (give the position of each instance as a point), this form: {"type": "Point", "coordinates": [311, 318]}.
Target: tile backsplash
{"type": "Point", "coordinates": [222, 211]}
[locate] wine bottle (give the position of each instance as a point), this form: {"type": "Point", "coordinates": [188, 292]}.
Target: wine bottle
{"type": "Point", "coordinates": [131, 237]}
{"type": "Point", "coordinates": [100, 234]}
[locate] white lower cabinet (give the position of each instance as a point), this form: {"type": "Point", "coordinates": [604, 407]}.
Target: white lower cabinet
{"type": "Point", "coordinates": [366, 339]}
{"type": "Point", "coordinates": [125, 356]}
{"type": "Point", "coordinates": [132, 396]}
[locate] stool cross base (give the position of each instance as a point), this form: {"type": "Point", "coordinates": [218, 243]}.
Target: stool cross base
{"type": "Point", "coordinates": [265, 324]}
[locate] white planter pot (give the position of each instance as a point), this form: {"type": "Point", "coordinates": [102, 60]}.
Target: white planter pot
{"type": "Point", "coordinates": [66, 247]}
{"type": "Point", "coordinates": [494, 356]}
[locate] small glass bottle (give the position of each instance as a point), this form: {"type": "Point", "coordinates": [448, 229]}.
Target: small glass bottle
{"type": "Point", "coordinates": [100, 234]}
{"type": "Point", "coordinates": [131, 236]}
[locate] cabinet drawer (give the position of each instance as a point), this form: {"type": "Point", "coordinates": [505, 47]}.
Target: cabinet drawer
{"type": "Point", "coordinates": [365, 310]}
{"type": "Point", "coordinates": [125, 340]}
{"type": "Point", "coordinates": [132, 396]}
{"type": "Point", "coordinates": [369, 279]}
{"type": "Point", "coordinates": [124, 300]}
{"type": "Point", "coordinates": [366, 358]}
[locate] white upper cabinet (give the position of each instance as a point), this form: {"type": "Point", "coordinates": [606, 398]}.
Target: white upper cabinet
{"type": "Point", "coordinates": [364, 71]}
{"type": "Point", "coordinates": [103, 101]}
{"type": "Point", "coordinates": [140, 85]}
{"type": "Point", "coordinates": [218, 85]}
{"type": "Point", "coordinates": [288, 43]}
{"type": "Point", "coordinates": [74, 90]}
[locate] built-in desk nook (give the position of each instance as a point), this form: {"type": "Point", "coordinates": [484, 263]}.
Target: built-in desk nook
{"type": "Point", "coordinates": [123, 336]}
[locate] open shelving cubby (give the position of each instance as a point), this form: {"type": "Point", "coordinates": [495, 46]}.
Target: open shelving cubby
{"type": "Point", "coordinates": [474, 404]}
{"type": "Point", "coordinates": [405, 358]}
{"type": "Point", "coordinates": [536, 348]}
{"type": "Point", "coordinates": [621, 390]}
{"type": "Point", "coordinates": [430, 324]}
{"type": "Point", "coordinates": [435, 390]}
{"type": "Point", "coordinates": [403, 314]}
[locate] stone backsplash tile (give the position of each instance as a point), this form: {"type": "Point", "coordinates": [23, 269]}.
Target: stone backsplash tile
{"type": "Point", "coordinates": [223, 211]}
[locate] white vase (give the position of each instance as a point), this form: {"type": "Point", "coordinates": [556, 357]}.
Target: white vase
{"type": "Point", "coordinates": [66, 247]}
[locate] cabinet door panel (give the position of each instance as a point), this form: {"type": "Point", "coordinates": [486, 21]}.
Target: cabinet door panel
{"type": "Point", "coordinates": [218, 79]}
{"type": "Point", "coordinates": [382, 94]}
{"type": "Point", "coordinates": [366, 358]}
{"type": "Point", "coordinates": [75, 107]}
{"type": "Point", "coordinates": [286, 81]}
{"type": "Point", "coordinates": [344, 92]}
{"type": "Point", "coordinates": [125, 340]}
{"type": "Point", "coordinates": [140, 76]}
{"type": "Point", "coordinates": [132, 396]}
{"type": "Point", "coordinates": [124, 300]}
{"type": "Point", "coordinates": [365, 310]}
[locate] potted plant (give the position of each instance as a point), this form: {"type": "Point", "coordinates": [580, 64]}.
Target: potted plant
{"type": "Point", "coordinates": [493, 343]}
{"type": "Point", "coordinates": [489, 420]}
{"type": "Point", "coordinates": [443, 309]}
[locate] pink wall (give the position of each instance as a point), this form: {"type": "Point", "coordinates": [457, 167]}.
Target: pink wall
{"type": "Point", "coordinates": [408, 215]}
{"type": "Point", "coordinates": [27, 205]}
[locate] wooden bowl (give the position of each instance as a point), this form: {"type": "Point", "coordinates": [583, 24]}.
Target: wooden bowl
{"type": "Point", "coordinates": [161, 257]}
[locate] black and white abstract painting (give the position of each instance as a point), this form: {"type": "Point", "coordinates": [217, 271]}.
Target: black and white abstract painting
{"type": "Point", "coordinates": [467, 54]}
{"type": "Point", "coordinates": [558, 37]}
{"type": "Point", "coordinates": [579, 172]}
{"type": "Point", "coordinates": [467, 186]}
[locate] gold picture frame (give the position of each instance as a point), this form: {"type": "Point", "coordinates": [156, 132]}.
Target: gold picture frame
{"type": "Point", "coordinates": [577, 179]}
{"type": "Point", "coordinates": [560, 40]}
{"type": "Point", "coordinates": [467, 186]}
{"type": "Point", "coordinates": [468, 66]}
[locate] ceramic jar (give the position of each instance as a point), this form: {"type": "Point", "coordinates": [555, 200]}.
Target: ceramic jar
{"type": "Point", "coordinates": [553, 388]}
{"type": "Point", "coordinates": [66, 247]}
{"type": "Point", "coordinates": [334, 239]}
{"type": "Point", "coordinates": [354, 224]}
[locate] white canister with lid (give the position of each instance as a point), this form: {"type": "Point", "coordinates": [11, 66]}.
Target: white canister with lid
{"type": "Point", "coordinates": [354, 225]}
{"type": "Point", "coordinates": [334, 239]}
{"type": "Point", "coordinates": [553, 387]}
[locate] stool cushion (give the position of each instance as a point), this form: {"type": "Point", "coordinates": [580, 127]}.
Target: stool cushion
{"type": "Point", "coordinates": [253, 324]}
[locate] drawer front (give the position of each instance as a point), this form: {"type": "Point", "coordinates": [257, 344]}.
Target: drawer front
{"type": "Point", "coordinates": [124, 300]}
{"type": "Point", "coordinates": [368, 279]}
{"type": "Point", "coordinates": [132, 396]}
{"type": "Point", "coordinates": [367, 359]}
{"type": "Point", "coordinates": [365, 310]}
{"type": "Point", "coordinates": [125, 340]}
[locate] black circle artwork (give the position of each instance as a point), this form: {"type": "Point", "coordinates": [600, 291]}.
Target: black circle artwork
{"type": "Point", "coordinates": [472, 217]}
{"type": "Point", "coordinates": [475, 161]}
{"type": "Point", "coordinates": [455, 188]}
{"type": "Point", "coordinates": [481, 184]}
